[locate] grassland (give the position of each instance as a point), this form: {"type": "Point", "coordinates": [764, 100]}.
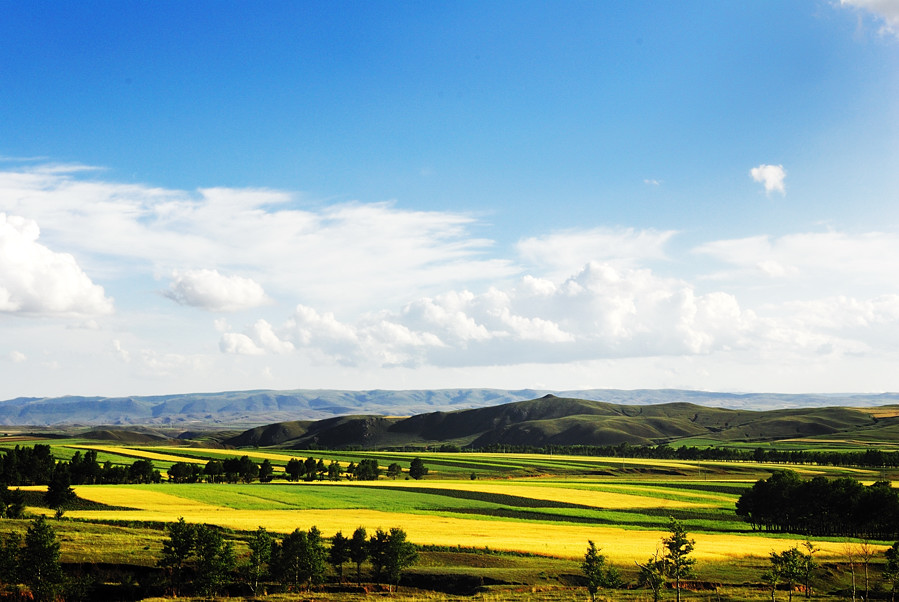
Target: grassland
{"type": "Point", "coordinates": [532, 513]}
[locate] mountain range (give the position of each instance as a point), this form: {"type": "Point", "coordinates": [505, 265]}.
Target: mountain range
{"type": "Point", "coordinates": [244, 409]}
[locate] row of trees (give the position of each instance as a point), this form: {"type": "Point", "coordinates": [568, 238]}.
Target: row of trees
{"type": "Point", "coordinates": [243, 469]}
{"type": "Point", "coordinates": [869, 458]}
{"type": "Point", "coordinates": [200, 556]}
{"type": "Point", "coordinates": [36, 466]}
{"type": "Point", "coordinates": [818, 506]}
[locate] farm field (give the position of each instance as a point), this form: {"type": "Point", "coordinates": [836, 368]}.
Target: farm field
{"type": "Point", "coordinates": [533, 513]}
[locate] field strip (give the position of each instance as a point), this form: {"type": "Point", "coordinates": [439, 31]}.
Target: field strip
{"type": "Point", "coordinates": [233, 453]}
{"type": "Point", "coordinates": [143, 499]}
{"type": "Point", "coordinates": [138, 453]}
{"type": "Point", "coordinates": [620, 545]}
{"type": "Point", "coordinates": [597, 499]}
{"type": "Point", "coordinates": [669, 492]}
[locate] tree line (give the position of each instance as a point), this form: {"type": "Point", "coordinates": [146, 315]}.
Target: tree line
{"type": "Point", "coordinates": [36, 465]}
{"type": "Point", "coordinates": [818, 506]}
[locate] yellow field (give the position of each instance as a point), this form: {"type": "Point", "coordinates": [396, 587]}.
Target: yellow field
{"type": "Point", "coordinates": [565, 540]}
{"type": "Point", "coordinates": [139, 453]}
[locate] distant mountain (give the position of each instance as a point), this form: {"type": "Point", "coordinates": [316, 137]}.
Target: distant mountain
{"type": "Point", "coordinates": [242, 409]}
{"type": "Point", "coordinates": [553, 420]}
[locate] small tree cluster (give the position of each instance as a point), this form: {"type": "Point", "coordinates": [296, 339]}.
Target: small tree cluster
{"type": "Point", "coordinates": [33, 560]}
{"type": "Point", "coordinates": [197, 554]}
{"type": "Point", "coordinates": [671, 560]}
{"type": "Point", "coordinates": [599, 575]}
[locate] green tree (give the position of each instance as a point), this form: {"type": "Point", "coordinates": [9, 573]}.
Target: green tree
{"type": "Point", "coordinates": [177, 549]}
{"type": "Point", "coordinates": [12, 502]}
{"type": "Point", "coordinates": [399, 555]}
{"type": "Point", "coordinates": [367, 470]}
{"type": "Point", "coordinates": [339, 553]}
{"type": "Point", "coordinates": [786, 566]}
{"type": "Point", "coordinates": [677, 549]}
{"type": "Point", "coordinates": [294, 469]}
{"type": "Point", "coordinates": [652, 574]}
{"type": "Point", "coordinates": [394, 470]}
{"type": "Point", "coordinates": [417, 469]}
{"type": "Point", "coordinates": [359, 550]}
{"type": "Point", "coordinates": [891, 570]}
{"type": "Point", "coordinates": [260, 545]}
{"type": "Point", "coordinates": [377, 553]}
{"type": "Point", "coordinates": [59, 493]}
{"type": "Point", "coordinates": [247, 469]}
{"type": "Point", "coordinates": [309, 469]}
{"type": "Point", "coordinates": [334, 471]}
{"type": "Point", "coordinates": [9, 558]}
{"type": "Point", "coordinates": [266, 471]}
{"type": "Point", "coordinates": [598, 574]}
{"type": "Point", "coordinates": [808, 565]}
{"type": "Point", "coordinates": [214, 470]}
{"type": "Point", "coordinates": [39, 566]}
{"type": "Point", "coordinates": [215, 559]}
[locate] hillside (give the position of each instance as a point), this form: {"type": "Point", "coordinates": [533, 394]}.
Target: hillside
{"type": "Point", "coordinates": [243, 409]}
{"type": "Point", "coordinates": [552, 420]}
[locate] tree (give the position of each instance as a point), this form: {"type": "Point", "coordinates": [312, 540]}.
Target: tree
{"type": "Point", "coordinates": [334, 471]}
{"type": "Point", "coordinates": [851, 557]}
{"type": "Point", "coordinates": [309, 469]}
{"type": "Point", "coordinates": [891, 570]}
{"type": "Point", "coordinates": [321, 469]}
{"type": "Point", "coordinates": [301, 558]}
{"type": "Point", "coordinates": [214, 470]}
{"type": "Point", "coordinates": [339, 553]}
{"type": "Point", "coordinates": [394, 470]}
{"type": "Point", "coordinates": [314, 556]}
{"type": "Point", "coordinates": [377, 553]}
{"type": "Point", "coordinates": [247, 469]}
{"type": "Point", "coordinates": [266, 470]}
{"type": "Point", "coordinates": [39, 561]}
{"type": "Point", "coordinates": [359, 550]}
{"type": "Point", "coordinates": [652, 574]}
{"type": "Point", "coordinates": [9, 558]}
{"type": "Point", "coordinates": [786, 566]}
{"type": "Point", "coordinates": [399, 554]}
{"type": "Point", "coordinates": [598, 574]}
{"type": "Point", "coordinates": [417, 469]}
{"type": "Point", "coordinates": [215, 559]}
{"type": "Point", "coordinates": [677, 549]}
{"type": "Point", "coordinates": [12, 502]}
{"type": "Point", "coordinates": [59, 493]}
{"type": "Point", "coordinates": [866, 553]}
{"type": "Point", "coordinates": [177, 549]}
{"type": "Point", "coordinates": [260, 555]}
{"type": "Point", "coordinates": [367, 470]}
{"type": "Point", "coordinates": [294, 469]}
{"type": "Point", "coordinates": [808, 565]}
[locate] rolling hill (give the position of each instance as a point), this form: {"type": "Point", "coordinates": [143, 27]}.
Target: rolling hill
{"type": "Point", "coordinates": [552, 420]}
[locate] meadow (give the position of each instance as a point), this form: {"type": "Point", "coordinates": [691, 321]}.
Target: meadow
{"type": "Point", "coordinates": [510, 524]}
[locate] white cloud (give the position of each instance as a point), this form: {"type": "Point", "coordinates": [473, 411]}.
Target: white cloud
{"type": "Point", "coordinates": [17, 357]}
{"type": "Point", "coordinates": [885, 10]}
{"type": "Point", "coordinates": [342, 256]}
{"type": "Point", "coordinates": [564, 251]}
{"type": "Point", "coordinates": [36, 280]}
{"type": "Point", "coordinates": [209, 290]}
{"type": "Point", "coordinates": [772, 176]}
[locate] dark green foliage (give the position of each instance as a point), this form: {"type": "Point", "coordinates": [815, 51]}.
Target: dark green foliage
{"type": "Point", "coordinates": [59, 492]}
{"type": "Point", "coordinates": [377, 552]}
{"type": "Point", "coordinates": [652, 574]}
{"type": "Point", "coordinates": [266, 471]}
{"type": "Point", "coordinates": [185, 472]}
{"type": "Point", "coordinates": [334, 471]}
{"type": "Point", "coordinates": [214, 559]}
{"type": "Point", "coordinates": [359, 550]}
{"type": "Point", "coordinates": [309, 469]}
{"type": "Point", "coordinates": [598, 573]}
{"type": "Point", "coordinates": [177, 549]}
{"type": "Point", "coordinates": [300, 558]}
{"type": "Point", "coordinates": [786, 567]}
{"type": "Point", "coordinates": [390, 553]}
{"type": "Point", "coordinates": [142, 471]}
{"type": "Point", "coordinates": [785, 502]}
{"type": "Point", "coordinates": [417, 469]}
{"type": "Point", "coordinates": [339, 553]}
{"type": "Point", "coordinates": [214, 470]}
{"type": "Point", "coordinates": [394, 470]}
{"type": "Point", "coordinates": [367, 470]}
{"type": "Point", "coordinates": [10, 550]}
{"type": "Point", "coordinates": [294, 470]}
{"type": "Point", "coordinates": [256, 569]}
{"type": "Point", "coordinates": [891, 570]}
{"type": "Point", "coordinates": [677, 548]}
{"type": "Point", "coordinates": [12, 502]}
{"type": "Point", "coordinates": [39, 566]}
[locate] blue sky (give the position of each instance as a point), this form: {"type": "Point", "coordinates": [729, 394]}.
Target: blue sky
{"type": "Point", "coordinates": [209, 196]}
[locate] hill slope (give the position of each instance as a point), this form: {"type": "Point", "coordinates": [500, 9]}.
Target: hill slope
{"type": "Point", "coordinates": [554, 420]}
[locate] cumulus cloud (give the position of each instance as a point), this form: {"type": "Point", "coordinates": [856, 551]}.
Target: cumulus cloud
{"type": "Point", "coordinates": [886, 11]}
{"type": "Point", "coordinates": [772, 176]}
{"type": "Point", "coordinates": [209, 290]}
{"type": "Point", "coordinates": [36, 280]}
{"type": "Point", "coordinates": [601, 312]}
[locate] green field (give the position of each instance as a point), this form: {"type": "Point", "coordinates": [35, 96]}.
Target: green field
{"type": "Point", "coordinates": [510, 526]}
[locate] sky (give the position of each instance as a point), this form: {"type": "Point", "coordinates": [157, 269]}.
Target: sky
{"type": "Point", "coordinates": [209, 196]}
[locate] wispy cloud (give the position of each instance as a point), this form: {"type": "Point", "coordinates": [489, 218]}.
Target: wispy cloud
{"type": "Point", "coordinates": [886, 11]}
